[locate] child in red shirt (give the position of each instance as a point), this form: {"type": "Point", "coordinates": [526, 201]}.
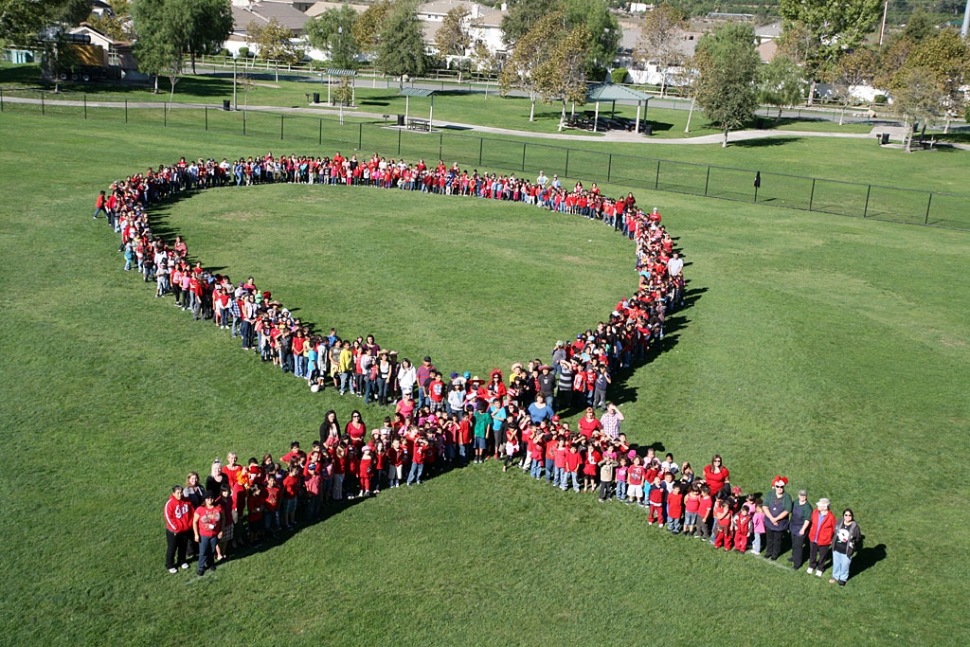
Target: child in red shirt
{"type": "Point", "coordinates": [635, 477]}
{"type": "Point", "coordinates": [742, 523]}
{"type": "Point", "coordinates": [722, 525]}
{"type": "Point", "coordinates": [271, 499]}
{"type": "Point", "coordinates": [573, 460]}
{"type": "Point", "coordinates": [255, 513]}
{"type": "Point", "coordinates": [692, 504]}
{"type": "Point", "coordinates": [364, 469]}
{"type": "Point", "coordinates": [704, 513]}
{"type": "Point", "coordinates": [656, 497]}
{"type": "Point", "coordinates": [291, 490]}
{"type": "Point", "coordinates": [675, 508]}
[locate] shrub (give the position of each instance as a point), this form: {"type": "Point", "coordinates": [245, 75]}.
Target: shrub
{"type": "Point", "coordinates": [619, 75]}
{"type": "Point", "coordinates": [880, 100]}
{"type": "Point", "coordinates": [243, 52]}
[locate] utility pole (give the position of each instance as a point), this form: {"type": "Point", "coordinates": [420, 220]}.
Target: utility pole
{"type": "Point", "coordinates": [882, 27]}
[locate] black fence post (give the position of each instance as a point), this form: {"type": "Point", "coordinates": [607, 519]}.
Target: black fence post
{"type": "Point", "coordinates": [206, 110]}
{"type": "Point", "coordinates": [656, 183]}
{"type": "Point", "coordinates": [865, 211]}
{"type": "Point", "coordinates": [399, 142]}
{"type": "Point", "coordinates": [282, 116]}
{"type": "Point", "coordinates": [811, 196]}
{"type": "Point", "coordinates": [1, 99]}
{"type": "Point", "coordinates": [707, 181]}
{"type": "Point", "coordinates": [523, 156]}
{"type": "Point", "coordinates": [566, 173]}
{"type": "Point", "coordinates": [126, 110]}
{"type": "Point", "coordinates": [244, 122]}
{"type": "Point", "coordinates": [43, 111]}
{"type": "Point", "coordinates": [84, 99]}
{"type": "Point", "coordinates": [609, 168]}
{"type": "Point", "coordinates": [320, 134]}
{"type": "Point", "coordinates": [481, 144]}
{"type": "Point", "coordinates": [360, 136]}
{"type": "Point", "coordinates": [165, 114]}
{"type": "Point", "coordinates": [929, 202]}
{"type": "Point", "coordinates": [440, 141]}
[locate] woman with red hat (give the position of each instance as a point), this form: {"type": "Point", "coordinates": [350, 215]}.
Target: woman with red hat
{"type": "Point", "coordinates": [777, 509]}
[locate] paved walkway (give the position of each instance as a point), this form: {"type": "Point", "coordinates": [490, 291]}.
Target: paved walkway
{"type": "Point", "coordinates": [613, 136]}
{"type": "Point", "coordinates": [616, 136]}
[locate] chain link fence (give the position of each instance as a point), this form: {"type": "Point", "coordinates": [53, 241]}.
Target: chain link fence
{"type": "Point", "coordinates": [776, 189]}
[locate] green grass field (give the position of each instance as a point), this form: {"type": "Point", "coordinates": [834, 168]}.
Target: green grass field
{"type": "Point", "coordinates": [830, 349]}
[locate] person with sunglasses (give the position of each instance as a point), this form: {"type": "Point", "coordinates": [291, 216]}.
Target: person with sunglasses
{"type": "Point", "coordinates": [848, 538]}
{"type": "Point", "coordinates": [777, 509]}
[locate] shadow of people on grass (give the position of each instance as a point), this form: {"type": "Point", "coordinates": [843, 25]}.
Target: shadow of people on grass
{"type": "Point", "coordinates": [866, 558]}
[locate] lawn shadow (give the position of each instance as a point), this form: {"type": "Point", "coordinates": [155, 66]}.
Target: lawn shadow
{"type": "Point", "coordinates": [763, 142]}
{"type": "Point", "coordinates": [867, 558]}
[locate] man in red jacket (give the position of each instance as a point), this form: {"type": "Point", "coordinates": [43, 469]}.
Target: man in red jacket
{"type": "Point", "coordinates": [178, 526]}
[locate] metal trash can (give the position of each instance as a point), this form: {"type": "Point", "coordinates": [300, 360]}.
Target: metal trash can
{"type": "Point", "coordinates": [226, 105]}
{"type": "Point", "coordinates": [884, 139]}
{"type": "Point", "coordinates": [400, 120]}
{"type": "Point", "coordinates": [648, 130]}
{"type": "Point", "coordinates": [316, 97]}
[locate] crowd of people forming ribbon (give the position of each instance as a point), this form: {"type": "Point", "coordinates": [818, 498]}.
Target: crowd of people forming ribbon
{"type": "Point", "coordinates": [437, 421]}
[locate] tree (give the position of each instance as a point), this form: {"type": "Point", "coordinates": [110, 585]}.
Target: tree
{"type": "Point", "coordinates": [660, 38]}
{"type": "Point", "coordinates": [167, 29]}
{"type": "Point", "coordinates": [595, 15]}
{"type": "Point", "coordinates": [522, 15]}
{"type": "Point", "coordinates": [333, 31]}
{"type": "Point", "coordinates": [452, 37]}
{"type": "Point", "coordinates": [780, 83]}
{"type": "Point", "coordinates": [727, 66]}
{"type": "Point", "coordinates": [945, 56]}
{"type": "Point", "coordinates": [42, 26]}
{"type": "Point", "coordinates": [854, 69]}
{"type": "Point", "coordinates": [210, 24]}
{"type": "Point", "coordinates": [29, 23]}
{"type": "Point", "coordinates": [603, 26]}
{"type": "Point", "coordinates": [367, 28]}
{"type": "Point", "coordinates": [400, 51]}
{"type": "Point", "coordinates": [528, 67]}
{"type": "Point", "coordinates": [825, 29]}
{"type": "Point", "coordinates": [163, 28]}
{"type": "Point", "coordinates": [275, 42]}
{"type": "Point", "coordinates": [564, 73]}
{"type": "Point", "coordinates": [116, 25]}
{"type": "Point", "coordinates": [917, 96]}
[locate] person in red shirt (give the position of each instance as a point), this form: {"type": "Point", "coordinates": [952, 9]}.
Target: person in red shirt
{"type": "Point", "coordinates": [207, 524]}
{"type": "Point", "coordinates": [635, 477]}
{"type": "Point", "coordinates": [722, 524]}
{"type": "Point", "coordinates": [291, 490]}
{"type": "Point", "coordinates": [271, 501]}
{"type": "Point", "coordinates": [656, 498]}
{"type": "Point", "coordinates": [716, 475]}
{"type": "Point", "coordinates": [396, 456]}
{"type": "Point", "coordinates": [573, 460]}
{"type": "Point", "coordinates": [178, 528]}
{"type": "Point", "coordinates": [254, 511]}
{"type": "Point", "coordinates": [820, 533]}
{"type": "Point", "coordinates": [704, 508]}
{"type": "Point", "coordinates": [436, 392]}
{"type": "Point", "coordinates": [589, 424]}
{"type": "Point", "coordinates": [421, 451]}
{"type": "Point", "coordinates": [675, 509]}
{"type": "Point", "coordinates": [742, 524]}
{"type": "Point", "coordinates": [364, 470]}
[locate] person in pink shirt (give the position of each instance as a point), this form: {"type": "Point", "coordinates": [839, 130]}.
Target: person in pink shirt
{"type": "Point", "coordinates": [757, 527]}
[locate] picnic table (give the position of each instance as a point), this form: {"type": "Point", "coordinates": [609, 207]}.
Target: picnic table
{"type": "Point", "coordinates": [417, 123]}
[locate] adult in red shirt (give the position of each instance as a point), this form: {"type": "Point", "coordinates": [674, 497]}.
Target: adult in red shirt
{"type": "Point", "coordinates": [207, 524]}
{"type": "Point", "coordinates": [820, 533]}
{"type": "Point", "coordinates": [588, 423]}
{"type": "Point", "coordinates": [356, 429]}
{"type": "Point", "coordinates": [716, 475]}
{"type": "Point", "coordinates": [178, 526]}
